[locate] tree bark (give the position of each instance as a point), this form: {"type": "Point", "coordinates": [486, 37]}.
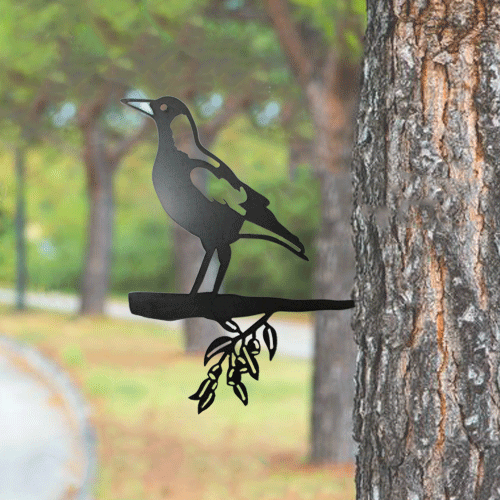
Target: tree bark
{"type": "Point", "coordinates": [426, 222]}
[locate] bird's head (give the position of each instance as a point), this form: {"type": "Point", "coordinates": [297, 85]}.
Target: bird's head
{"type": "Point", "coordinates": [162, 110]}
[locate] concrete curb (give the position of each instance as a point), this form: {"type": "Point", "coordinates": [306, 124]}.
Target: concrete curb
{"type": "Point", "coordinates": [76, 411]}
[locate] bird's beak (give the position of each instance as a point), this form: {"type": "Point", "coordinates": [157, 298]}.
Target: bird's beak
{"type": "Point", "coordinates": [142, 105]}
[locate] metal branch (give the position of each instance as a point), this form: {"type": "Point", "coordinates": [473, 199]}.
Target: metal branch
{"type": "Point", "coordinates": [221, 308]}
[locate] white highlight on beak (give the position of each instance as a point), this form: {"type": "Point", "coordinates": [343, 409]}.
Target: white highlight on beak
{"type": "Point", "coordinates": [144, 106]}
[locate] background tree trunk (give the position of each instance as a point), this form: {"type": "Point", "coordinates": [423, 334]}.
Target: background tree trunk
{"type": "Point", "coordinates": [330, 87]}
{"type": "Point", "coordinates": [95, 282]}
{"type": "Point", "coordinates": [101, 162]}
{"type": "Point", "coordinates": [335, 350]}
{"type": "Point", "coordinates": [426, 222]}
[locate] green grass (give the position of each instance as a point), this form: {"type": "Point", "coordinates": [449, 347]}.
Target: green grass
{"type": "Point", "coordinates": [153, 444]}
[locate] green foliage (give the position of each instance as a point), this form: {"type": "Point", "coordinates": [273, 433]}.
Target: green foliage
{"type": "Point", "coordinates": [143, 256]}
{"type": "Point", "coordinates": [25, 28]}
{"type": "Point", "coordinates": [99, 384]}
{"type": "Point", "coordinates": [56, 212]}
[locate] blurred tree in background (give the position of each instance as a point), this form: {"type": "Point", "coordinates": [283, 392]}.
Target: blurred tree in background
{"type": "Point", "coordinates": [91, 56]}
{"type": "Point", "coordinates": [322, 41]}
{"type": "Point", "coordinates": [20, 112]}
{"type": "Point", "coordinates": [272, 85]}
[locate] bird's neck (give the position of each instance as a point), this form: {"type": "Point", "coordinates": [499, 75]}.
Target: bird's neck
{"type": "Point", "coordinates": [165, 140]}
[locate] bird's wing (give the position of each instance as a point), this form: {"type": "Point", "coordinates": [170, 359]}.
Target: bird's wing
{"type": "Point", "coordinates": [254, 206]}
{"type": "Point", "coordinates": [226, 187]}
{"type": "Point", "coordinates": [243, 200]}
{"type": "Point", "coordinates": [218, 189]}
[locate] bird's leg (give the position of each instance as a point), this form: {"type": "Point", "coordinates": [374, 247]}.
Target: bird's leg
{"type": "Point", "coordinates": [224, 254]}
{"type": "Point", "coordinates": [201, 273]}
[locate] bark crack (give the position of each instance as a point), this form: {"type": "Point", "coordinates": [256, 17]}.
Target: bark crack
{"type": "Point", "coordinates": [437, 280]}
{"type": "Point", "coordinates": [479, 474]}
{"type": "Point", "coordinates": [477, 217]}
{"type": "Point", "coordinates": [438, 277]}
{"type": "Point", "coordinates": [475, 449]}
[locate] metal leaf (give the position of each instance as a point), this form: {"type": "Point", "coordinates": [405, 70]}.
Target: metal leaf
{"type": "Point", "coordinates": [206, 401]}
{"type": "Point", "coordinates": [271, 340]}
{"type": "Point", "coordinates": [241, 391]}
{"type": "Point", "coordinates": [216, 347]}
{"type": "Point", "coordinates": [215, 371]}
{"type": "Point", "coordinates": [253, 366]}
{"type": "Point", "coordinates": [233, 376]}
{"type": "Point", "coordinates": [201, 390]}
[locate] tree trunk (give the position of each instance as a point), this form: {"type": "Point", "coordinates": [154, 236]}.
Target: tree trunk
{"type": "Point", "coordinates": [300, 152]}
{"type": "Point", "coordinates": [334, 351]}
{"type": "Point", "coordinates": [426, 222]}
{"type": "Point", "coordinates": [21, 270]}
{"type": "Point", "coordinates": [100, 231]}
{"type": "Point", "coordinates": [101, 161]}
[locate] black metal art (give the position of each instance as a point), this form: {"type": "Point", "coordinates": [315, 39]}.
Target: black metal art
{"type": "Point", "coordinates": [218, 226]}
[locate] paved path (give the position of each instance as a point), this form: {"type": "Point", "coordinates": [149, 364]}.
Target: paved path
{"type": "Point", "coordinates": [294, 339]}
{"type": "Point", "coordinates": [47, 446]}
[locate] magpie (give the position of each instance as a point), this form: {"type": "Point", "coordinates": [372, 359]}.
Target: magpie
{"type": "Point", "coordinates": [216, 224]}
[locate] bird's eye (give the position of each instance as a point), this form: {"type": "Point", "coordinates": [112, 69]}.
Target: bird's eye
{"type": "Point", "coordinates": [163, 107]}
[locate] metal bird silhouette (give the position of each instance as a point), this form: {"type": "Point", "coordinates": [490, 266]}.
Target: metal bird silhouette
{"type": "Point", "coordinates": [216, 224]}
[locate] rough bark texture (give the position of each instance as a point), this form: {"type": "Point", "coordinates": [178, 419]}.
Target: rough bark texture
{"type": "Point", "coordinates": [426, 223]}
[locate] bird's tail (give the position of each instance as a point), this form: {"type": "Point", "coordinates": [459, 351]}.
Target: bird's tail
{"type": "Point", "coordinates": [302, 255]}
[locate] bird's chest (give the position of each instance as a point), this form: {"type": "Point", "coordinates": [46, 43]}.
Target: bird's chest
{"type": "Point", "coordinates": [175, 192]}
